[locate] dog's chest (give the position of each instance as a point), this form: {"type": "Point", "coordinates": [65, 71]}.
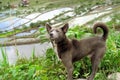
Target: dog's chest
{"type": "Point", "coordinates": [62, 48]}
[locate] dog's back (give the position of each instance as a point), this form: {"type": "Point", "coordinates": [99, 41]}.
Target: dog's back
{"type": "Point", "coordinates": [85, 47]}
{"type": "Point", "coordinates": [88, 46]}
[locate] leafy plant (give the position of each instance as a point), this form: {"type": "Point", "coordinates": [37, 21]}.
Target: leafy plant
{"type": "Point", "coordinates": [4, 62]}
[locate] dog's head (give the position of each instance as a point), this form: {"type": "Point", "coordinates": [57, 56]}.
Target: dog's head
{"type": "Point", "coordinates": [57, 34]}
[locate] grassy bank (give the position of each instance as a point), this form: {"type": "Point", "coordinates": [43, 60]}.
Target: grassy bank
{"type": "Point", "coordinates": [50, 4]}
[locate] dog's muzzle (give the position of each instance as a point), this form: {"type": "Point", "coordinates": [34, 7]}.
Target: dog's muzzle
{"type": "Point", "coordinates": [51, 35]}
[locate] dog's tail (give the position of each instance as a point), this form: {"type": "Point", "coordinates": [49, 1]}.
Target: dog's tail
{"type": "Point", "coordinates": [103, 27]}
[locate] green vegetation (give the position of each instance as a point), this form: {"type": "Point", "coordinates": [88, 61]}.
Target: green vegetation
{"type": "Point", "coordinates": [48, 4]}
{"type": "Point", "coordinates": [49, 68]}
{"type": "Point", "coordinates": [40, 5]}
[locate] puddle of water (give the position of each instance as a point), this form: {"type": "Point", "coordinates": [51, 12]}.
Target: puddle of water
{"type": "Point", "coordinates": [15, 22]}
{"type": "Point", "coordinates": [8, 12]}
{"type": "Point", "coordinates": [26, 33]}
{"type": "Point", "coordinates": [51, 14]}
{"type": "Point", "coordinates": [2, 15]}
{"type": "Point", "coordinates": [31, 16]}
{"type": "Point", "coordinates": [25, 51]}
{"type": "Point", "coordinates": [84, 19]}
{"type": "Point", "coordinates": [8, 22]}
{"type": "Point", "coordinates": [12, 23]}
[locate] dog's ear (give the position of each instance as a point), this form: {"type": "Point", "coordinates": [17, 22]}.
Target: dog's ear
{"type": "Point", "coordinates": [65, 28]}
{"type": "Point", "coordinates": [48, 27]}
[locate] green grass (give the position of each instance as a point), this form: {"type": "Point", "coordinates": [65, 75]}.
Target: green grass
{"type": "Point", "coordinates": [4, 61]}
{"type": "Point", "coordinates": [50, 4]}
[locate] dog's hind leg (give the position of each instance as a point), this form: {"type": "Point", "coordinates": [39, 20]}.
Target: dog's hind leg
{"type": "Point", "coordinates": [95, 60]}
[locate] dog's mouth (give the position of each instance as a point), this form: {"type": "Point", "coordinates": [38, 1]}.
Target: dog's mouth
{"type": "Point", "coordinates": [51, 38]}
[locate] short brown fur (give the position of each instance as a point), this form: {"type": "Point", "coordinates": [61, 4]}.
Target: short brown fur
{"type": "Point", "coordinates": [73, 50]}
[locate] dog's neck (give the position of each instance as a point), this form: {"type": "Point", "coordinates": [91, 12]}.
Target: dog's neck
{"type": "Point", "coordinates": [63, 46]}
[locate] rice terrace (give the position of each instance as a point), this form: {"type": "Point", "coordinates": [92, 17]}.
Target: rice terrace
{"type": "Point", "coordinates": [27, 52]}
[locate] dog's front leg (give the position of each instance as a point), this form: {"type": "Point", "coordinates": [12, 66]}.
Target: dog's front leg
{"type": "Point", "coordinates": [69, 67]}
{"type": "Point", "coordinates": [70, 72]}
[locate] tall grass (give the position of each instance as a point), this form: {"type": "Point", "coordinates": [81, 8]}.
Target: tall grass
{"type": "Point", "coordinates": [4, 61]}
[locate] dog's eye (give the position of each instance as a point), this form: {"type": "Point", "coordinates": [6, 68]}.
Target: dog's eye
{"type": "Point", "coordinates": [57, 31]}
{"type": "Point", "coordinates": [51, 30]}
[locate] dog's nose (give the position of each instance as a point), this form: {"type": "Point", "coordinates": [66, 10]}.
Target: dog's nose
{"type": "Point", "coordinates": [51, 34]}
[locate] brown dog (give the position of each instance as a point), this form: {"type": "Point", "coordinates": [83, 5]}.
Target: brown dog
{"type": "Point", "coordinates": [73, 50]}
